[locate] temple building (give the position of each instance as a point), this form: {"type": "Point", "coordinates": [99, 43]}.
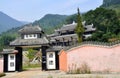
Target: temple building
{"type": "Point", "coordinates": [34, 36]}
{"type": "Point", "coordinates": [66, 36]}
{"type": "Point", "coordinates": [31, 36]}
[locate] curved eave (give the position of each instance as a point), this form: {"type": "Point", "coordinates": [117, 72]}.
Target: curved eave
{"type": "Point", "coordinates": [30, 42]}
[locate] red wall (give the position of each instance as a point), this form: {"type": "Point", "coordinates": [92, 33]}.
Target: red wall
{"type": "Point", "coordinates": [63, 60]}
{"type": "Point", "coordinates": [98, 58]}
{"type": "Point", "coordinates": [1, 65]}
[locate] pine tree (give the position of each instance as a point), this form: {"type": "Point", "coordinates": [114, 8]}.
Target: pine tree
{"type": "Point", "coordinates": [79, 28]}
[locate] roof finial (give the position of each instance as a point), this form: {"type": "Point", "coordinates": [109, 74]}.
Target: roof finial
{"type": "Point", "coordinates": [73, 22]}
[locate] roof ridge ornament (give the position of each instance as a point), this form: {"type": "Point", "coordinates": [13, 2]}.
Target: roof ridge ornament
{"type": "Point", "coordinates": [73, 22]}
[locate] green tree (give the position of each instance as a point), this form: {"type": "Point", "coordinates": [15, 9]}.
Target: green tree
{"type": "Point", "coordinates": [79, 28]}
{"type": "Point", "coordinates": [31, 54]}
{"type": "Point", "coordinates": [105, 21]}
{"type": "Point", "coordinates": [5, 40]}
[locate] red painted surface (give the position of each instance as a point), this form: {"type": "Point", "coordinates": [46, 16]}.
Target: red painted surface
{"type": "Point", "coordinates": [98, 58]}
{"type": "Point", "coordinates": [63, 60]}
{"type": "Point", "coordinates": [1, 65]}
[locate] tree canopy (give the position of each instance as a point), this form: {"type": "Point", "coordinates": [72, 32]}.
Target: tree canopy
{"type": "Point", "coordinates": [79, 28]}
{"type": "Point", "coordinates": [106, 21]}
{"type": "Point", "coordinates": [5, 40]}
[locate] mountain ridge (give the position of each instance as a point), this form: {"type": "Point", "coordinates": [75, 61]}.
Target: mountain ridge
{"type": "Point", "coordinates": [48, 23]}
{"type": "Point", "coordinates": [107, 3]}
{"type": "Point", "coordinates": [7, 22]}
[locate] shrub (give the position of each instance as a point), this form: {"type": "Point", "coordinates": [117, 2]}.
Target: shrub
{"type": "Point", "coordinates": [83, 69]}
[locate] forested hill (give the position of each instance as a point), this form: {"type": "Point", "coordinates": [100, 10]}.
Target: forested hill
{"type": "Point", "coordinates": [112, 4]}
{"type": "Point", "coordinates": [107, 3]}
{"type": "Point", "coordinates": [50, 21]}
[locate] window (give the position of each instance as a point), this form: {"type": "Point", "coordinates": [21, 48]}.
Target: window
{"type": "Point", "coordinates": [34, 35]}
{"type": "Point", "coordinates": [50, 62]}
{"type": "Point", "coordinates": [30, 35]}
{"type": "Point", "coordinates": [51, 55]}
{"type": "Point", "coordinates": [11, 57]}
{"type": "Point", "coordinates": [12, 64]}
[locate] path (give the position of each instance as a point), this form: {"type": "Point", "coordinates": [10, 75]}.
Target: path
{"type": "Point", "coordinates": [37, 73]}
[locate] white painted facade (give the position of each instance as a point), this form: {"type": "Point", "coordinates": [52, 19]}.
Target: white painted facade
{"type": "Point", "coordinates": [11, 62]}
{"type": "Point", "coordinates": [51, 62]}
{"type": "Point", "coordinates": [30, 36]}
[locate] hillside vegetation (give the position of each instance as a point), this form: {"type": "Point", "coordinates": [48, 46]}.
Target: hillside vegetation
{"type": "Point", "coordinates": [112, 4]}
{"type": "Point", "coordinates": [50, 22]}
{"type": "Point", "coordinates": [106, 22]}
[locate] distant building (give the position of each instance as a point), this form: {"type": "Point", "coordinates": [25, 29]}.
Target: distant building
{"type": "Point", "coordinates": [66, 36]}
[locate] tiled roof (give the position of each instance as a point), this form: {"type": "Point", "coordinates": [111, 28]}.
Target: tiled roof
{"type": "Point", "coordinates": [30, 29]}
{"type": "Point", "coordinates": [65, 37]}
{"type": "Point", "coordinates": [9, 51]}
{"type": "Point", "coordinates": [29, 42]}
{"type": "Point", "coordinates": [54, 48]}
{"type": "Point", "coordinates": [67, 27]}
{"type": "Point", "coordinates": [89, 28]}
{"type": "Point", "coordinates": [71, 27]}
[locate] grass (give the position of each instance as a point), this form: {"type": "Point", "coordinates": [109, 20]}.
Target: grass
{"type": "Point", "coordinates": [31, 66]}
{"type": "Point", "coordinates": [2, 74]}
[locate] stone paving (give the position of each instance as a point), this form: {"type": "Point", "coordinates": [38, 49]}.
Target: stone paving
{"type": "Point", "coordinates": [37, 73]}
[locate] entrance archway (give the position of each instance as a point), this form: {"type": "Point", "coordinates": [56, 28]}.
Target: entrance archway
{"type": "Point", "coordinates": [19, 56]}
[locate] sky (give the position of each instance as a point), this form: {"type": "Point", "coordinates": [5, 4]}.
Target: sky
{"type": "Point", "coordinates": [31, 10]}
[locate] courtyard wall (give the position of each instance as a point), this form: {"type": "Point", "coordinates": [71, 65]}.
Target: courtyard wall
{"type": "Point", "coordinates": [97, 58]}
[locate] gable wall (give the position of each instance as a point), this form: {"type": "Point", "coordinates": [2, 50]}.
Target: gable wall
{"type": "Point", "coordinates": [63, 60]}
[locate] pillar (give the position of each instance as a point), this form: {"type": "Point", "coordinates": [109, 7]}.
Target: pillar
{"type": "Point", "coordinates": [19, 59]}
{"type": "Point", "coordinates": [44, 61]}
